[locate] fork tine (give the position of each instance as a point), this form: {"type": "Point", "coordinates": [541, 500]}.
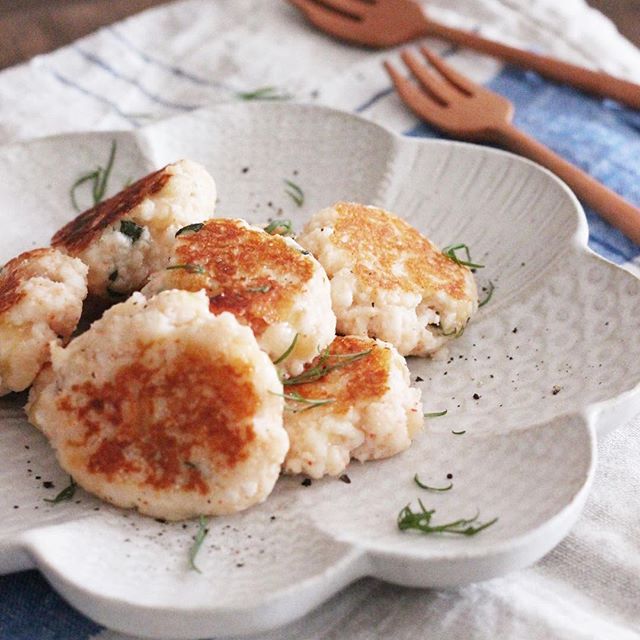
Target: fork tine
{"type": "Point", "coordinates": [419, 102]}
{"type": "Point", "coordinates": [329, 20]}
{"type": "Point", "coordinates": [453, 76]}
{"type": "Point", "coordinates": [438, 89]}
{"type": "Point", "coordinates": [352, 8]}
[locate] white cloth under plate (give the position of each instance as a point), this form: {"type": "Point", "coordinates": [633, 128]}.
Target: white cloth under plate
{"type": "Point", "coordinates": [195, 52]}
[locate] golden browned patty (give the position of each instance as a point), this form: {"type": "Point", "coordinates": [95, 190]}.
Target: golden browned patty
{"type": "Point", "coordinates": [128, 236]}
{"type": "Point", "coordinates": [89, 226]}
{"type": "Point", "coordinates": [357, 403]}
{"type": "Point", "coordinates": [267, 281]}
{"type": "Point", "coordinates": [388, 280]}
{"type": "Point", "coordinates": [41, 294]}
{"type": "Point", "coordinates": [357, 372]}
{"type": "Point", "coordinates": [165, 407]}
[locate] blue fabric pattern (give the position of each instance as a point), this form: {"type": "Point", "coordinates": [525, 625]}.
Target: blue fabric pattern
{"type": "Point", "coordinates": [31, 610]}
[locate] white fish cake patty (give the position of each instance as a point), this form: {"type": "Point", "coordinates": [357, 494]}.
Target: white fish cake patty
{"type": "Point", "coordinates": [267, 281]}
{"type": "Point", "coordinates": [375, 412]}
{"type": "Point", "coordinates": [130, 235]}
{"type": "Point", "coordinates": [164, 407]}
{"type": "Point", "coordinates": [387, 280]}
{"type": "Point", "coordinates": [41, 294]}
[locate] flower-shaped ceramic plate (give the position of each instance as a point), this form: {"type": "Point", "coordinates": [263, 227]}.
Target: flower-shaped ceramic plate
{"type": "Point", "coordinates": [548, 362]}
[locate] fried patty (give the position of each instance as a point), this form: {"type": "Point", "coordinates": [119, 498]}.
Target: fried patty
{"type": "Point", "coordinates": [128, 236]}
{"type": "Point", "coordinates": [267, 281]}
{"type": "Point", "coordinates": [165, 407]}
{"type": "Point", "coordinates": [389, 281]}
{"type": "Point", "coordinates": [363, 407]}
{"type": "Point", "coordinates": [41, 294]}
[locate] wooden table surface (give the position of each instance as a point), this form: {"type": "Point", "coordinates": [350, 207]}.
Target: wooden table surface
{"type": "Point", "coordinates": [30, 27]}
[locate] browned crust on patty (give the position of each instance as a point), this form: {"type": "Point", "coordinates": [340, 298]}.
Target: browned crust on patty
{"type": "Point", "coordinates": [248, 272]}
{"type": "Point", "coordinates": [86, 227]}
{"type": "Point", "coordinates": [377, 241]}
{"type": "Point", "coordinates": [14, 274]}
{"type": "Point", "coordinates": [363, 380]}
{"type": "Point", "coordinates": [207, 408]}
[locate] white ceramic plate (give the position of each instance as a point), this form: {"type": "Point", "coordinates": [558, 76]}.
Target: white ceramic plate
{"type": "Point", "coordinates": [552, 357]}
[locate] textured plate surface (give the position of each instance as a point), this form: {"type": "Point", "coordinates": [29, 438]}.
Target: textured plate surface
{"type": "Point", "coordinates": [551, 359]}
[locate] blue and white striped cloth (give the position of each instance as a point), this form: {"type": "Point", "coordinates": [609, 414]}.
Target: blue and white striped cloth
{"type": "Point", "coordinates": [189, 54]}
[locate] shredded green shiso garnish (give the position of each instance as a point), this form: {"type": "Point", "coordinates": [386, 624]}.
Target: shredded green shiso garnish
{"type": "Point", "coordinates": [421, 521]}
{"type": "Point", "coordinates": [66, 494]}
{"type": "Point", "coordinates": [416, 479]}
{"type": "Point", "coordinates": [264, 93]}
{"type": "Point", "coordinates": [189, 266]}
{"type": "Point", "coordinates": [297, 398]}
{"type": "Point", "coordinates": [324, 366]}
{"type": "Point", "coordinates": [287, 352]}
{"type": "Point", "coordinates": [265, 288]}
{"type": "Point", "coordinates": [99, 179]}
{"type": "Point", "coordinates": [435, 414]}
{"type": "Point", "coordinates": [280, 227]}
{"type": "Point", "coordinates": [197, 543]}
{"type": "Point", "coordinates": [294, 192]}
{"type": "Point", "coordinates": [491, 288]}
{"type": "Point", "coordinates": [450, 252]}
{"type": "Point", "coordinates": [131, 230]}
{"type": "Point", "coordinates": [190, 228]}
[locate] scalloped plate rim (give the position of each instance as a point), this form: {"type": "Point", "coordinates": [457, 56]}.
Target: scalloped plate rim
{"type": "Point", "coordinates": [356, 557]}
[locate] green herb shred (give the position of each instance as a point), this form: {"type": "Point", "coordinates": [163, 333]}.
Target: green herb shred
{"type": "Point", "coordinates": [190, 228]}
{"type": "Point", "coordinates": [264, 93]}
{"type": "Point", "coordinates": [459, 433]}
{"type": "Point", "coordinates": [324, 366]}
{"type": "Point", "coordinates": [99, 179]}
{"type": "Point", "coordinates": [190, 267]}
{"type": "Point", "coordinates": [456, 333]}
{"type": "Point", "coordinates": [490, 286]}
{"type": "Point", "coordinates": [93, 175]}
{"type": "Point", "coordinates": [294, 192]}
{"type": "Point", "coordinates": [66, 494]}
{"type": "Point", "coordinates": [288, 351]}
{"type": "Point", "coordinates": [280, 227]}
{"type": "Point", "coordinates": [450, 252]}
{"type": "Point", "coordinates": [131, 230]}
{"type": "Point", "coordinates": [421, 521]}
{"type": "Point", "coordinates": [435, 414]}
{"type": "Point", "coordinates": [416, 479]}
{"type": "Point", "coordinates": [298, 398]}
{"type": "Point", "coordinates": [197, 542]}
{"type": "Point", "coordinates": [265, 288]}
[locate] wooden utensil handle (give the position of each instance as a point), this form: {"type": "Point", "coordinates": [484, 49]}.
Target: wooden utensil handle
{"type": "Point", "coordinates": [597, 82]}
{"type": "Point", "coordinates": [612, 207]}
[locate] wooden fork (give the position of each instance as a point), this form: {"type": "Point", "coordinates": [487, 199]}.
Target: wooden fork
{"type": "Point", "coordinates": [462, 109]}
{"type": "Point", "coordinates": [385, 23]}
